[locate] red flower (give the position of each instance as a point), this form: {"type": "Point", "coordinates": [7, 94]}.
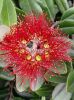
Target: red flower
{"type": "Point", "coordinates": [33, 46]}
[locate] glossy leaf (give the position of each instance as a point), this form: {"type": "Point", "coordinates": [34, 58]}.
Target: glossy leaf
{"type": "Point", "coordinates": [68, 13]}
{"type": "Point", "coordinates": [48, 7]}
{"type": "Point", "coordinates": [66, 23]}
{"type": "Point", "coordinates": [65, 4]}
{"type": "Point", "coordinates": [51, 7]}
{"type": "Point", "coordinates": [8, 14]}
{"type": "Point", "coordinates": [60, 5]}
{"type": "Point", "coordinates": [30, 6]}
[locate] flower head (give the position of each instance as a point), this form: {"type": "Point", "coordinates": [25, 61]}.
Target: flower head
{"type": "Point", "coordinates": [33, 46]}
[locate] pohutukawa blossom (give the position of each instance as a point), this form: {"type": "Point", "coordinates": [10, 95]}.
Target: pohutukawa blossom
{"type": "Point", "coordinates": [32, 47]}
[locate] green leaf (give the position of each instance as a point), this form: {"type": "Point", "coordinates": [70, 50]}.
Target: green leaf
{"type": "Point", "coordinates": [45, 90]}
{"type": "Point", "coordinates": [8, 14]}
{"type": "Point", "coordinates": [66, 23]}
{"type": "Point", "coordinates": [6, 76]}
{"type": "Point", "coordinates": [68, 30]}
{"type": "Point", "coordinates": [60, 6]}
{"type": "Point", "coordinates": [70, 82]}
{"type": "Point", "coordinates": [60, 93]}
{"type": "Point", "coordinates": [30, 6]}
{"type": "Point", "coordinates": [70, 17]}
{"type": "Point", "coordinates": [1, 5]}
{"type": "Point", "coordinates": [68, 13]}
{"type": "Point", "coordinates": [51, 8]}
{"type": "Point", "coordinates": [65, 4]}
{"type": "Point", "coordinates": [48, 7]}
{"type": "Point", "coordinates": [67, 26]}
{"type": "Point", "coordinates": [20, 11]}
{"type": "Point", "coordinates": [55, 78]}
{"type": "Point", "coordinates": [22, 83]}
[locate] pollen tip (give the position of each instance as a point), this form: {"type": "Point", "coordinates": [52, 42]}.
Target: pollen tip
{"type": "Point", "coordinates": [28, 57]}
{"type": "Point", "coordinates": [24, 41]}
{"type": "Point", "coordinates": [38, 58]}
{"type": "Point", "coordinates": [21, 51]}
{"type": "Point", "coordinates": [46, 45]}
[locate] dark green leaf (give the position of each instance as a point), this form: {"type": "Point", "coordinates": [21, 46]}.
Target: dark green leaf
{"type": "Point", "coordinates": [68, 30]}
{"type": "Point", "coordinates": [66, 23]}
{"type": "Point", "coordinates": [60, 6]}
{"type": "Point", "coordinates": [68, 13]}
{"type": "Point", "coordinates": [18, 98]}
{"type": "Point", "coordinates": [6, 76]}
{"type": "Point", "coordinates": [20, 11]}
{"type": "Point", "coordinates": [45, 90]}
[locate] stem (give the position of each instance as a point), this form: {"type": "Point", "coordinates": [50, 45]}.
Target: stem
{"type": "Point", "coordinates": [71, 67]}
{"type": "Point", "coordinates": [10, 97]}
{"type": "Point", "coordinates": [55, 24]}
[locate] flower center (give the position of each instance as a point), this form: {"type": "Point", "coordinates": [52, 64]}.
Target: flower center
{"type": "Point", "coordinates": [30, 44]}
{"type": "Point", "coordinates": [34, 49]}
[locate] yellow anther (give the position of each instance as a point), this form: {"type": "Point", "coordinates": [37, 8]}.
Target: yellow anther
{"type": "Point", "coordinates": [46, 45]}
{"type": "Point", "coordinates": [24, 41]}
{"type": "Point", "coordinates": [46, 54]}
{"type": "Point", "coordinates": [28, 57]}
{"type": "Point", "coordinates": [21, 51]}
{"type": "Point", "coordinates": [38, 58]}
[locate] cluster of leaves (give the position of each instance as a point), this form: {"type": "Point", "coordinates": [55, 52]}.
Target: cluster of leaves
{"type": "Point", "coordinates": [61, 12]}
